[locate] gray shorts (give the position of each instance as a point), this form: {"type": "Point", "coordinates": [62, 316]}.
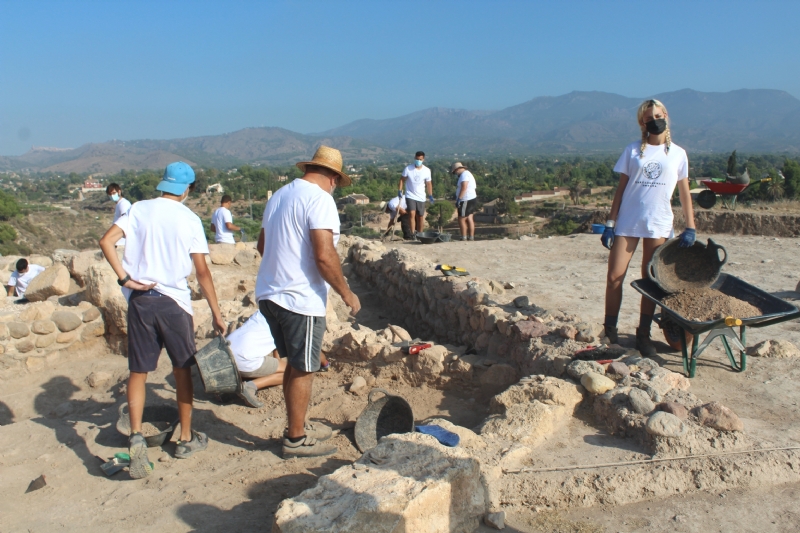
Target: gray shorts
{"type": "Point", "coordinates": [297, 337]}
{"type": "Point", "coordinates": [267, 368]}
{"type": "Point", "coordinates": [416, 205]}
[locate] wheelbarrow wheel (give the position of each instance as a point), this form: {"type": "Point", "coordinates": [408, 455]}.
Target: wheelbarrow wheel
{"type": "Point", "coordinates": [706, 199]}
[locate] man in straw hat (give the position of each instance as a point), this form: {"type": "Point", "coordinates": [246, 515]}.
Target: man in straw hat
{"type": "Point", "coordinates": [300, 263]}
{"type": "Point", "coordinates": [466, 200]}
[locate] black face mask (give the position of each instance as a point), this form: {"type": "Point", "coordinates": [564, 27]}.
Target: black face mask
{"type": "Point", "coordinates": [656, 126]}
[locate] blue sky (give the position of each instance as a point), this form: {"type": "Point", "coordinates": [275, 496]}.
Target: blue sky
{"type": "Point", "coordinates": [89, 71]}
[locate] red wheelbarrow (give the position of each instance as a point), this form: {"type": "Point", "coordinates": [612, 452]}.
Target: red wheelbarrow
{"type": "Point", "coordinates": [726, 190]}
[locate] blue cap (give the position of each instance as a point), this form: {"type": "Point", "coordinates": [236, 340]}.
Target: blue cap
{"type": "Point", "coordinates": [177, 177]}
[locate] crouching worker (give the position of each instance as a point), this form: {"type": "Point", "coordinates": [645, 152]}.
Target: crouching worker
{"type": "Point", "coordinates": [398, 212]}
{"type": "Point", "coordinates": [22, 276]}
{"type": "Point", "coordinates": [256, 358]}
{"type": "Point", "coordinates": [164, 239]}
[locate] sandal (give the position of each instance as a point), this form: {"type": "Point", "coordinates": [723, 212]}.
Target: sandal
{"type": "Point", "coordinates": [184, 450]}
{"type": "Point", "coordinates": [140, 465]}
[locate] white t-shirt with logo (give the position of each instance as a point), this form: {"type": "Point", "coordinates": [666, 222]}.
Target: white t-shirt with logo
{"type": "Point", "coordinates": [470, 194]}
{"type": "Point", "coordinates": [646, 207]}
{"type": "Point", "coordinates": [122, 207]}
{"type": "Point", "coordinates": [21, 281]}
{"type": "Point", "coordinates": [161, 235]}
{"type": "Point", "coordinates": [394, 203]}
{"type": "Point", "coordinates": [251, 343]}
{"type": "Point", "coordinates": [223, 234]}
{"type": "Point", "coordinates": [415, 181]}
{"type": "Point", "coordinates": [288, 275]}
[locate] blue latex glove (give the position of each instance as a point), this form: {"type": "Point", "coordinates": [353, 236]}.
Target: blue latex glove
{"type": "Point", "coordinates": [400, 194]}
{"type": "Point", "coordinates": [687, 238]}
{"type": "Point", "coordinates": [608, 237]}
{"type": "Point", "coordinates": [430, 199]}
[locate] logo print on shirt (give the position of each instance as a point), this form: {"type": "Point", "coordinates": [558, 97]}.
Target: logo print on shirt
{"type": "Point", "coordinates": [652, 170]}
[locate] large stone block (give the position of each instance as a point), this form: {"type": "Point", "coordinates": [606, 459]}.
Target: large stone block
{"type": "Point", "coordinates": [103, 291]}
{"type": "Point", "coordinates": [79, 264]}
{"type": "Point", "coordinates": [222, 254]}
{"type": "Point", "coordinates": [54, 281]}
{"type": "Point", "coordinates": [406, 483]}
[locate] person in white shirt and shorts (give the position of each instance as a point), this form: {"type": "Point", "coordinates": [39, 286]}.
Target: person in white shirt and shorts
{"type": "Point", "coordinates": [298, 240]}
{"type": "Point", "coordinates": [22, 276]}
{"type": "Point", "coordinates": [466, 200]}
{"type": "Point", "coordinates": [417, 180]}
{"type": "Point", "coordinates": [222, 222]}
{"type": "Point", "coordinates": [256, 358]}
{"type": "Point", "coordinates": [114, 192]}
{"type": "Point", "coordinates": [649, 171]}
{"type": "Point", "coordinates": [165, 240]}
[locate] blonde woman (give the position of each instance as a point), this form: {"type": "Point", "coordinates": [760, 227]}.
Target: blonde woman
{"type": "Point", "coordinates": [649, 171]}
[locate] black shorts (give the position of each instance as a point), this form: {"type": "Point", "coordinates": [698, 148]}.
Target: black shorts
{"type": "Point", "coordinates": [156, 321]}
{"type": "Point", "coordinates": [415, 205]}
{"type": "Point", "coordinates": [467, 208]}
{"type": "Point", "coordinates": [297, 337]}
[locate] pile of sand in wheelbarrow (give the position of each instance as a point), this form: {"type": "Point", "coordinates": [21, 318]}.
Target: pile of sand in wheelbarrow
{"type": "Point", "coordinates": [702, 305]}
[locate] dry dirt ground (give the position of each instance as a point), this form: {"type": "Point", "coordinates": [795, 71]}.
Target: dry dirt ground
{"type": "Point", "coordinates": [55, 424]}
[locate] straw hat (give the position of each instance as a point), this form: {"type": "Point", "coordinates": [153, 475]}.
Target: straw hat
{"type": "Point", "coordinates": [330, 158]}
{"type": "Point", "coordinates": [456, 166]}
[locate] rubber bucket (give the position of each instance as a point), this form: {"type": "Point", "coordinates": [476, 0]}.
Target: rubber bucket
{"type": "Point", "coordinates": [673, 268]}
{"type": "Point", "coordinates": [158, 415]}
{"type": "Point", "coordinates": [218, 367]}
{"type": "Point", "coordinates": [428, 237]}
{"type": "Point", "coordinates": [384, 416]}
{"type": "Point", "coordinates": [598, 229]}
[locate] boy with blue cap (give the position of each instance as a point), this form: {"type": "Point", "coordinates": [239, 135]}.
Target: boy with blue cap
{"type": "Point", "coordinates": [164, 240]}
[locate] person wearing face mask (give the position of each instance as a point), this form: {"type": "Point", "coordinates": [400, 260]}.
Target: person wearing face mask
{"type": "Point", "coordinates": [114, 192]}
{"type": "Point", "coordinates": [298, 238]}
{"type": "Point", "coordinates": [165, 240]}
{"type": "Point", "coordinates": [417, 180]}
{"type": "Point", "coordinates": [649, 171]}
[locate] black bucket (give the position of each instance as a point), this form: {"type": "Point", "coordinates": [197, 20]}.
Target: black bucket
{"type": "Point", "coordinates": [387, 415]}
{"type": "Point", "coordinates": [696, 267]}
{"type": "Point", "coordinates": [218, 367]}
{"type": "Point", "coordinates": [158, 415]}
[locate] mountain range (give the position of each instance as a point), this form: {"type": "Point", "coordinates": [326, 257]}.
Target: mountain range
{"type": "Point", "coordinates": [749, 120]}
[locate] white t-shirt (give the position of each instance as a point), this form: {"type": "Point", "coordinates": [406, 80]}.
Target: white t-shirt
{"type": "Point", "coordinates": [21, 281]}
{"type": "Point", "coordinates": [646, 210]}
{"type": "Point", "coordinates": [123, 206]}
{"type": "Point", "coordinates": [394, 203]}
{"type": "Point", "coordinates": [161, 233]}
{"type": "Point", "coordinates": [251, 343]}
{"type": "Point", "coordinates": [415, 181]}
{"type": "Point", "coordinates": [288, 274]}
{"type": "Point", "coordinates": [220, 217]}
{"type": "Point", "coordinates": [470, 194]}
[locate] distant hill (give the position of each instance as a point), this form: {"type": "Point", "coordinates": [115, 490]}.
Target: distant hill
{"type": "Point", "coordinates": [748, 120]}
{"type": "Point", "coordinates": [757, 120]}
{"type": "Point", "coordinates": [272, 146]}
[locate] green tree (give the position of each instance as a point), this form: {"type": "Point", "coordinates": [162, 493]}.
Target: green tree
{"type": "Point", "coordinates": [791, 171]}
{"type": "Point", "coordinates": [732, 164]}
{"type": "Point", "coordinates": [575, 187]}
{"type": "Point", "coordinates": [9, 207]}
{"type": "Point", "coordinates": [439, 214]}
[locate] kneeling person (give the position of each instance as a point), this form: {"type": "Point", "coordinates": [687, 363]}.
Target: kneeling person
{"type": "Point", "coordinates": [256, 358]}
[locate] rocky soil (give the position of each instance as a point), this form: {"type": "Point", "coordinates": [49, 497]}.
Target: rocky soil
{"type": "Point", "coordinates": [59, 417]}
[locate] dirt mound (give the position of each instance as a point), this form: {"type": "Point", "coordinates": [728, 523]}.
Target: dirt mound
{"type": "Point", "coordinates": [702, 305]}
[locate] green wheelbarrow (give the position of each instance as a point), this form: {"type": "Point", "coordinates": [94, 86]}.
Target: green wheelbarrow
{"type": "Point", "coordinates": [774, 310]}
